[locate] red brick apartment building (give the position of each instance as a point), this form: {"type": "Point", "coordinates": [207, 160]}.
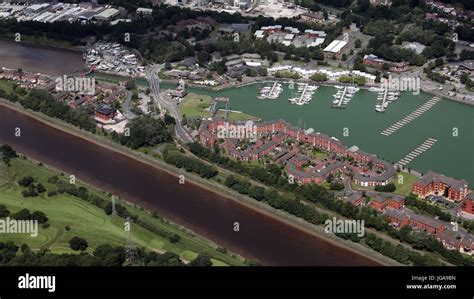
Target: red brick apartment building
{"type": "Point", "coordinates": [467, 209]}
{"type": "Point", "coordinates": [405, 216]}
{"type": "Point", "coordinates": [438, 184]}
{"type": "Point", "coordinates": [104, 113]}
{"type": "Point", "coordinates": [355, 199]}
{"type": "Point", "coordinates": [378, 63]}
{"type": "Point", "coordinates": [380, 202]}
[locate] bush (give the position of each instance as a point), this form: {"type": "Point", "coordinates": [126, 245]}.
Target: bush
{"type": "Point", "coordinates": [77, 243]}
{"type": "Point", "coordinates": [26, 181]}
{"type": "Point", "coordinates": [39, 216]}
{"type": "Point", "coordinates": [23, 214]}
{"type": "Point", "coordinates": [174, 238]}
{"type": "Point", "coordinates": [387, 188]}
{"type": "Point", "coordinates": [4, 212]}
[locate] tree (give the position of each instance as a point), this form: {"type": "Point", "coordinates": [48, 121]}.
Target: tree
{"type": "Point", "coordinates": [4, 212]}
{"type": "Point", "coordinates": [357, 43]}
{"type": "Point", "coordinates": [39, 216]}
{"type": "Point", "coordinates": [146, 131]}
{"type": "Point", "coordinates": [202, 260]}
{"type": "Point", "coordinates": [337, 185]}
{"type": "Point", "coordinates": [319, 77]}
{"type": "Point", "coordinates": [26, 181]}
{"type": "Point", "coordinates": [77, 243]}
{"type": "Point", "coordinates": [23, 214]}
{"type": "Point", "coordinates": [130, 85]}
{"type": "Point", "coordinates": [203, 57]}
{"type": "Point", "coordinates": [387, 188]}
{"type": "Point", "coordinates": [40, 188]}
{"type": "Point", "coordinates": [110, 256]}
{"type": "Point", "coordinates": [174, 238]}
{"type": "Point", "coordinates": [8, 153]}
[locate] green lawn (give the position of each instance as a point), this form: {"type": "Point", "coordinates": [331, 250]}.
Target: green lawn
{"type": "Point", "coordinates": [318, 155]}
{"type": "Point", "coordinates": [362, 188]}
{"type": "Point", "coordinates": [405, 187]}
{"type": "Point", "coordinates": [6, 85]}
{"type": "Point", "coordinates": [89, 221]}
{"type": "Point", "coordinates": [236, 116]}
{"type": "Point", "coordinates": [195, 105]}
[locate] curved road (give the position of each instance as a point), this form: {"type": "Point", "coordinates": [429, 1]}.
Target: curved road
{"type": "Point", "coordinates": [154, 82]}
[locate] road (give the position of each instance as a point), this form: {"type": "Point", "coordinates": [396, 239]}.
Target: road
{"type": "Point", "coordinates": [126, 106]}
{"type": "Point", "coordinates": [165, 103]}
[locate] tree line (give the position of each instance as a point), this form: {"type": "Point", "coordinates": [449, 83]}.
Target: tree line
{"type": "Point", "coordinates": [320, 196]}
{"type": "Point", "coordinates": [174, 157]}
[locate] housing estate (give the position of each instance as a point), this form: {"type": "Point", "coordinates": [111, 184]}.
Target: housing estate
{"type": "Point", "coordinates": [278, 131]}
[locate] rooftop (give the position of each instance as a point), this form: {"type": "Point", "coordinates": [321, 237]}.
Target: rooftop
{"type": "Point", "coordinates": [335, 46]}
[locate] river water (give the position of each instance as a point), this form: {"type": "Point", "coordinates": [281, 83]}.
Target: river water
{"type": "Point", "coordinates": [46, 61]}
{"type": "Point", "coordinates": [211, 215]}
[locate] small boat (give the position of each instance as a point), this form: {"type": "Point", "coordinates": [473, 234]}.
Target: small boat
{"type": "Point", "coordinates": [376, 89]}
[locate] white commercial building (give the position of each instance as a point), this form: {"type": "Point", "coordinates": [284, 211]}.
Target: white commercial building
{"type": "Point", "coordinates": [335, 48]}
{"type": "Point", "coordinates": [108, 14]}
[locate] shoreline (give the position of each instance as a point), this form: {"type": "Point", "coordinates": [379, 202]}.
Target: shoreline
{"type": "Point", "coordinates": [71, 49]}
{"type": "Point", "coordinates": [201, 183]}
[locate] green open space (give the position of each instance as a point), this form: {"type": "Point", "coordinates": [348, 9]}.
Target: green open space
{"type": "Point", "coordinates": [70, 216]}
{"type": "Point", "coordinates": [198, 106]}
{"type": "Point", "coordinates": [6, 85]}
{"type": "Point", "coordinates": [404, 182]}
{"type": "Point", "coordinates": [318, 155]}
{"type": "Point", "coordinates": [195, 105]}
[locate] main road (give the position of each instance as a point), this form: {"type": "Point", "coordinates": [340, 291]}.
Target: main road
{"type": "Point", "coordinates": [154, 82]}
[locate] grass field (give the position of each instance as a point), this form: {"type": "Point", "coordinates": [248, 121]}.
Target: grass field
{"type": "Point", "coordinates": [404, 187]}
{"type": "Point", "coordinates": [89, 221]}
{"type": "Point", "coordinates": [197, 106]}
{"type": "Point", "coordinates": [318, 155]}
{"type": "Point", "coordinates": [6, 85]}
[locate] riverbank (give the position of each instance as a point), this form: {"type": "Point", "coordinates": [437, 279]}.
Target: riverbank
{"type": "Point", "coordinates": [198, 182]}
{"type": "Point", "coordinates": [71, 49]}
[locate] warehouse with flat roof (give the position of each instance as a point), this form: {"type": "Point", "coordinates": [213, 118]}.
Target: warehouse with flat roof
{"type": "Point", "coordinates": [335, 49]}
{"type": "Point", "coordinates": [107, 15]}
